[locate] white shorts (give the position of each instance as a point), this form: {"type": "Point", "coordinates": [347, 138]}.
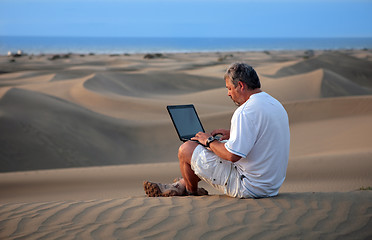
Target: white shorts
{"type": "Point", "coordinates": [220, 174]}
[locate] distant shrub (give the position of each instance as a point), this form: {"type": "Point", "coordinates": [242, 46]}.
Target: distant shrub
{"type": "Point", "coordinates": [153, 56]}
{"type": "Point", "coordinates": [55, 57]}
{"type": "Point", "coordinates": [223, 58]}
{"type": "Point", "coordinates": [308, 54]}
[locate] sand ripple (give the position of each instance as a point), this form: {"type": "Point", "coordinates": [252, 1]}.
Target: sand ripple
{"type": "Point", "coordinates": [289, 216]}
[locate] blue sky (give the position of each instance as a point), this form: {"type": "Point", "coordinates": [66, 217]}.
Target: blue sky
{"type": "Point", "coordinates": [186, 18]}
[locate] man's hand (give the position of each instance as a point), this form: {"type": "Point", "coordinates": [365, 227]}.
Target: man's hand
{"type": "Point", "coordinates": [224, 132]}
{"type": "Point", "coordinates": [217, 147]}
{"type": "Point", "coordinates": [201, 137]}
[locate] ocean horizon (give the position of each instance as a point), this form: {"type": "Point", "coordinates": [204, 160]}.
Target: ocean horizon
{"type": "Point", "coordinates": [132, 45]}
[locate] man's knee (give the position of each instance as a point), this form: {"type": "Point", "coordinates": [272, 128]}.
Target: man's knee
{"type": "Point", "coordinates": [186, 150]}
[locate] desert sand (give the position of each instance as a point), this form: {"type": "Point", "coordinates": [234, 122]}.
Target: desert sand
{"type": "Point", "coordinates": [80, 133]}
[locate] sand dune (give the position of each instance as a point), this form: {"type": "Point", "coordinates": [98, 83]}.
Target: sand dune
{"type": "Point", "coordinates": [56, 133]}
{"type": "Point", "coordinates": [295, 88]}
{"type": "Point", "coordinates": [320, 83]}
{"type": "Point", "coordinates": [144, 86]}
{"type": "Point", "coordinates": [354, 69]}
{"type": "Point", "coordinates": [108, 202]}
{"type": "Point", "coordinates": [79, 135]}
{"type": "Point", "coordinates": [335, 85]}
{"type": "Point", "coordinates": [79, 114]}
{"type": "Point", "coordinates": [27, 80]}
{"type": "Point", "coordinates": [331, 108]}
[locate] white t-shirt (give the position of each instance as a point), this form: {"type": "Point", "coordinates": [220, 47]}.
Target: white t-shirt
{"type": "Point", "coordinates": [260, 135]}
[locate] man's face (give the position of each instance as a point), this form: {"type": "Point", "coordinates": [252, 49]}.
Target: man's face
{"type": "Point", "coordinates": [234, 92]}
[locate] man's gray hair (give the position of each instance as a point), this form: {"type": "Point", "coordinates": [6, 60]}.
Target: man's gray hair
{"type": "Point", "coordinates": [242, 72]}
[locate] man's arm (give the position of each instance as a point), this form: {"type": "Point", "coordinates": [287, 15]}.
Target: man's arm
{"type": "Point", "coordinates": [216, 146]}
{"type": "Point", "coordinates": [219, 149]}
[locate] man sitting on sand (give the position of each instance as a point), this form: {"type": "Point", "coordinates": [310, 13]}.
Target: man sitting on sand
{"type": "Point", "coordinates": [249, 160]}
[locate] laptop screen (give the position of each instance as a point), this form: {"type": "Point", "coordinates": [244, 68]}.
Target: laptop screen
{"type": "Point", "coordinates": [185, 120]}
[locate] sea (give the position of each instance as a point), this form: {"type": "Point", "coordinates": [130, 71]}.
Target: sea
{"type": "Point", "coordinates": [131, 45]}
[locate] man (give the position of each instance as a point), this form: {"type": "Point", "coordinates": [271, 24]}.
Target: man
{"type": "Point", "coordinates": [249, 160]}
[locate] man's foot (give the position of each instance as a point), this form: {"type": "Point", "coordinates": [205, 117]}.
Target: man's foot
{"type": "Point", "coordinates": [164, 190]}
{"type": "Point", "coordinates": [202, 192]}
{"type": "Point", "coordinates": [199, 192]}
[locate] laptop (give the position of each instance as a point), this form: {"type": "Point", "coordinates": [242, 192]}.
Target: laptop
{"type": "Point", "coordinates": [185, 120]}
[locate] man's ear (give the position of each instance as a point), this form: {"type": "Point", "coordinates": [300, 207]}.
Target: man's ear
{"type": "Point", "coordinates": [241, 85]}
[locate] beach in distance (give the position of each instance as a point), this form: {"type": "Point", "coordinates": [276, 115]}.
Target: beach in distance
{"type": "Point", "coordinates": [79, 133]}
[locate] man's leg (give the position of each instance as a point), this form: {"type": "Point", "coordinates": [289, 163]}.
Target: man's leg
{"type": "Point", "coordinates": [185, 186]}
{"type": "Point", "coordinates": [190, 180]}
